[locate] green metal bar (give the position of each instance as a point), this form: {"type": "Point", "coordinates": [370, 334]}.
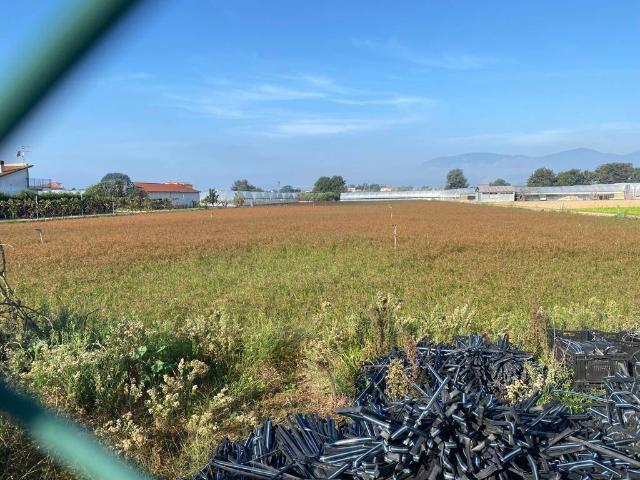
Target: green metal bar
{"type": "Point", "coordinates": [63, 49]}
{"type": "Point", "coordinates": [65, 441]}
{"type": "Point", "coordinates": [46, 68]}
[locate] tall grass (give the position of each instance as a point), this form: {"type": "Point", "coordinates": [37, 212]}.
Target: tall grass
{"type": "Point", "coordinates": [168, 333]}
{"type": "Point", "coordinates": [620, 212]}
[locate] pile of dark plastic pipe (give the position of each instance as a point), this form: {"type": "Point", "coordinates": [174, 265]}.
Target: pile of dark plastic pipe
{"type": "Point", "coordinates": [455, 423]}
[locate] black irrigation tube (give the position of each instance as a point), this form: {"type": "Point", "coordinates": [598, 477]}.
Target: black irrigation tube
{"type": "Point", "coordinates": [456, 425]}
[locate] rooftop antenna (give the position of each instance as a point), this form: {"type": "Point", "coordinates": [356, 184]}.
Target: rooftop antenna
{"type": "Point", "coordinates": [22, 151]}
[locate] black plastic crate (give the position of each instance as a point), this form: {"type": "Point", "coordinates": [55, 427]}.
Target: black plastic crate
{"type": "Point", "coordinates": [594, 355]}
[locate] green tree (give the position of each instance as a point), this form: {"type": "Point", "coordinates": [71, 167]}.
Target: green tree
{"type": "Point", "coordinates": [289, 189]}
{"type": "Point", "coordinates": [211, 198]}
{"type": "Point", "coordinates": [115, 185]}
{"type": "Point", "coordinates": [238, 199]}
{"type": "Point", "coordinates": [499, 182]}
{"type": "Point", "coordinates": [456, 179]}
{"type": "Point", "coordinates": [369, 187]}
{"type": "Point", "coordinates": [572, 177]}
{"type": "Point", "coordinates": [244, 186]}
{"type": "Point", "coordinates": [615, 172]}
{"type": "Point", "coordinates": [335, 184]}
{"type": "Point", "coordinates": [542, 177]}
{"type": "Point", "coordinates": [589, 177]}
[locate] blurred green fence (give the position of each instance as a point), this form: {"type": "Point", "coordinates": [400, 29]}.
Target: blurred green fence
{"type": "Point", "coordinates": [50, 61]}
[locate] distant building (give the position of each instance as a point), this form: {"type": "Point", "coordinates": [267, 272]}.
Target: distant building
{"type": "Point", "coordinates": [14, 177]}
{"type": "Point", "coordinates": [495, 193]}
{"type": "Point", "coordinates": [385, 188]}
{"type": "Point", "coordinates": [608, 191]}
{"type": "Point", "coordinates": [456, 194]}
{"type": "Point", "coordinates": [46, 185]}
{"type": "Point", "coordinates": [499, 193]}
{"type": "Point", "coordinates": [258, 198]}
{"type": "Point", "coordinates": [179, 194]}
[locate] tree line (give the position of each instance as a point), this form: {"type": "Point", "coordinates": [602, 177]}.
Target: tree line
{"type": "Point", "coordinates": [324, 189]}
{"type": "Point", "coordinates": [329, 188]}
{"type": "Point", "coordinates": [616, 172]}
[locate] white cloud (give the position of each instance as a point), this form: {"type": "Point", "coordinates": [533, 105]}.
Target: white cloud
{"type": "Point", "coordinates": [203, 104]}
{"type": "Point", "coordinates": [273, 93]}
{"type": "Point", "coordinates": [324, 83]}
{"type": "Point", "coordinates": [139, 76]}
{"type": "Point", "coordinates": [285, 108]}
{"type": "Point", "coordinates": [333, 126]}
{"type": "Point", "coordinates": [446, 60]}
{"type": "Point", "coordinates": [129, 78]}
{"type": "Point", "coordinates": [319, 127]}
{"type": "Point", "coordinates": [232, 102]}
{"type": "Point", "coordinates": [398, 101]}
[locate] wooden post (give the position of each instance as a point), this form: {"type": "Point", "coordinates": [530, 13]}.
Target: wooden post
{"type": "Point", "coordinates": [395, 236]}
{"type": "Point", "coordinates": [39, 230]}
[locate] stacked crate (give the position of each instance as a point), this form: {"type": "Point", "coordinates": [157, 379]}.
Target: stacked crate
{"type": "Point", "coordinates": [595, 355]}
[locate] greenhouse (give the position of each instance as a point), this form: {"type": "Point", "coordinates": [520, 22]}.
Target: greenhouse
{"type": "Point", "coordinates": [612, 191]}
{"type": "Point", "coordinates": [257, 198]}
{"type": "Point", "coordinates": [453, 194]}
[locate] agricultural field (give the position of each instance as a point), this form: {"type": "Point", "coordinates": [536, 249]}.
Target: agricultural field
{"type": "Point", "coordinates": [618, 211]}
{"type": "Point", "coordinates": [571, 205]}
{"type": "Point", "coordinates": [167, 331]}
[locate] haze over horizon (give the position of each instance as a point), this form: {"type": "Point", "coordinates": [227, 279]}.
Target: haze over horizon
{"type": "Point", "coordinates": [209, 92]}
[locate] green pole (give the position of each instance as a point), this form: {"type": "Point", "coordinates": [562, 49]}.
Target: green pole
{"type": "Point", "coordinates": [54, 57]}
{"type": "Point", "coordinates": [46, 67]}
{"type": "Point", "coordinates": [64, 440]}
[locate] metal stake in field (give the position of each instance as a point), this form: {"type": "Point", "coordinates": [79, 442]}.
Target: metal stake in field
{"type": "Point", "coordinates": [41, 233]}
{"type": "Point", "coordinates": [395, 236]}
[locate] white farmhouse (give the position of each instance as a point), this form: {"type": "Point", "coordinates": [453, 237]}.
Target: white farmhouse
{"type": "Point", "coordinates": [14, 177]}
{"type": "Point", "coordinates": [180, 194]}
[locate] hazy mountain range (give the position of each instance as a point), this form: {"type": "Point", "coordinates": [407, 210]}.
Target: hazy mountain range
{"type": "Point", "coordinates": [482, 167]}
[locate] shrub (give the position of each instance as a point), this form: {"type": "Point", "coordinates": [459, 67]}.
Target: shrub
{"type": "Point", "coordinates": [319, 196]}
{"type": "Point", "coordinates": [25, 205]}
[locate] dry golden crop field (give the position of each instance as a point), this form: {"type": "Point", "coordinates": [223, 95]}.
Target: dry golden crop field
{"type": "Point", "coordinates": [289, 259]}
{"type": "Point", "coordinates": [168, 331]}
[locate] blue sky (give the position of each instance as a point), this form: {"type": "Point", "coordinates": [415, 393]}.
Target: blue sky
{"type": "Point", "coordinates": [285, 91]}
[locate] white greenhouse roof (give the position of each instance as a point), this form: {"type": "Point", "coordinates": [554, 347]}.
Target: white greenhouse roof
{"type": "Point", "coordinates": [575, 189]}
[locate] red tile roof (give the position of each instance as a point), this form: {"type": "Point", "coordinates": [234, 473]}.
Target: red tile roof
{"type": "Point", "coordinates": [8, 168]}
{"type": "Point", "coordinates": [166, 187]}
